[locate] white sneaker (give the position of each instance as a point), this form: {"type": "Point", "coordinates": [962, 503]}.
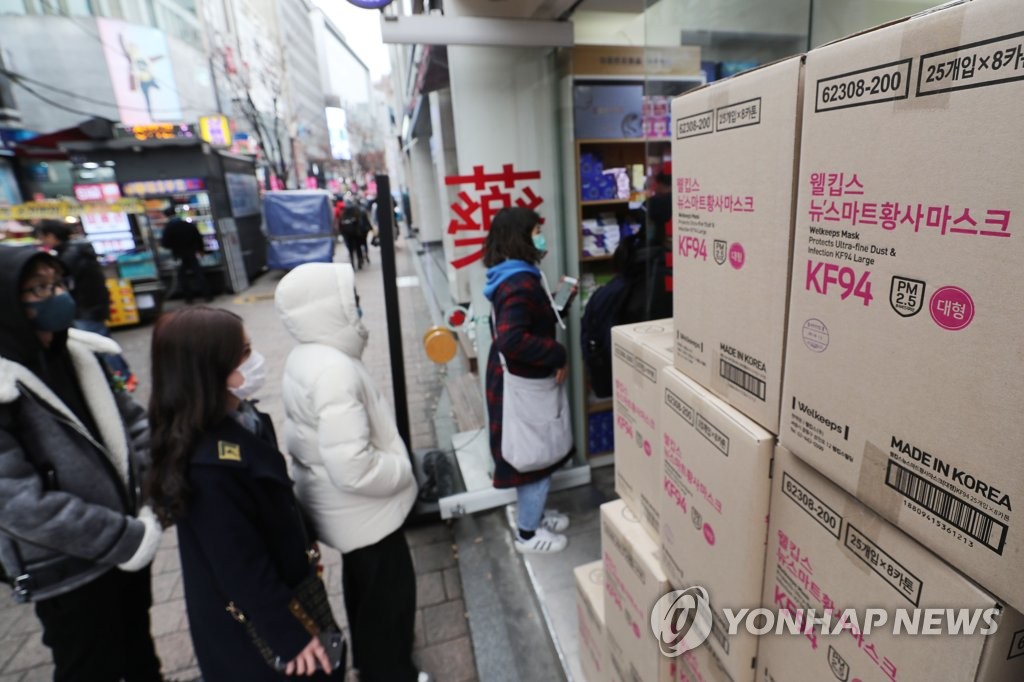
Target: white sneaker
{"type": "Point", "coordinates": [424, 677]}
{"type": "Point", "coordinates": [554, 520]}
{"type": "Point", "coordinates": [542, 542]}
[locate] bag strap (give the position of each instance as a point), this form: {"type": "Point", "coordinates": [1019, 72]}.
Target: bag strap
{"type": "Point", "coordinates": [551, 299]}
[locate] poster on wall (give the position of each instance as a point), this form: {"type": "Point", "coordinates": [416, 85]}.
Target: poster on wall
{"type": "Point", "coordinates": [140, 69]}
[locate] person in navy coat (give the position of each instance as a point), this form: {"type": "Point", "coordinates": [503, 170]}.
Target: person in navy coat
{"type": "Point", "coordinates": [217, 474]}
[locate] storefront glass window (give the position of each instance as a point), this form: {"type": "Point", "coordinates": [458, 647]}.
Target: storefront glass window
{"type": "Point", "coordinates": [48, 179]}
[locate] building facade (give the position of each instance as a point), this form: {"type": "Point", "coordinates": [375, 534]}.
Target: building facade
{"type": "Point", "coordinates": [126, 61]}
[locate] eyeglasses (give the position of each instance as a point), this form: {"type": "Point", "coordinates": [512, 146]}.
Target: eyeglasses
{"type": "Point", "coordinates": [45, 290]}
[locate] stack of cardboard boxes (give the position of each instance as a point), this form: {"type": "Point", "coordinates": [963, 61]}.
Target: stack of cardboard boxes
{"type": "Point", "coordinates": [847, 243]}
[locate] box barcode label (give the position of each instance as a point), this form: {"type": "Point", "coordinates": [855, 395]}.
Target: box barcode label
{"type": "Point", "coordinates": [742, 379]}
{"type": "Point", "coordinates": [946, 506]}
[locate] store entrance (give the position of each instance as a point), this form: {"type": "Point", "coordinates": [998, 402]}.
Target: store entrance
{"type": "Point", "coordinates": [193, 207]}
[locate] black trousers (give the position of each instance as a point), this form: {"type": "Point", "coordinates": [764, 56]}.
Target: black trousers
{"type": "Point", "coordinates": [189, 272]}
{"type": "Point", "coordinates": [379, 586]}
{"type": "Point", "coordinates": [100, 631]}
{"type": "Point", "coordinates": [354, 245]}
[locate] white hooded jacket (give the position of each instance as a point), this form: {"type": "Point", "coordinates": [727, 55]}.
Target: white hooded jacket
{"type": "Point", "coordinates": [351, 469]}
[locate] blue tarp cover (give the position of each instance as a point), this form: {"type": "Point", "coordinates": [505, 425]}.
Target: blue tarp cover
{"type": "Point", "coordinates": [286, 254]}
{"type": "Point", "coordinates": [298, 212]}
{"type": "Point", "coordinates": [299, 228]}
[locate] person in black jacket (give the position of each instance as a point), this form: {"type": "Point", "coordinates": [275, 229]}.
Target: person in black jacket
{"type": "Point", "coordinates": [75, 538]}
{"type": "Point", "coordinates": [354, 226]}
{"type": "Point", "coordinates": [88, 286]}
{"type": "Point", "coordinates": [217, 474]}
{"type": "Point", "coordinates": [181, 237]}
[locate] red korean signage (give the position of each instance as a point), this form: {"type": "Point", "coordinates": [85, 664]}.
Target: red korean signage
{"type": "Point", "coordinates": [104, 191]}
{"type": "Point", "coordinates": [486, 194]}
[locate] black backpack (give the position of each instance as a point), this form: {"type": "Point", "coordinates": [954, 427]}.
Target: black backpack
{"type": "Point", "coordinates": [636, 294]}
{"type": "Point", "coordinates": [601, 314]}
{"type": "Point", "coordinates": [352, 219]}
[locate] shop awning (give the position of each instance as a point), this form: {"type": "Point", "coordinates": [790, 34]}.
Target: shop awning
{"type": "Point", "coordinates": [48, 145]}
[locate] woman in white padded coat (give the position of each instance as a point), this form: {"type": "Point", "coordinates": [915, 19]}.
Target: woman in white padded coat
{"type": "Point", "coordinates": [352, 471]}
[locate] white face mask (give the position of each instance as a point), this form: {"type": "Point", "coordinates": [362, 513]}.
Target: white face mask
{"type": "Point", "coordinates": [254, 376]}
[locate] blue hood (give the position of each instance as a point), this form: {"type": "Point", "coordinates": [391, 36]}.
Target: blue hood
{"type": "Point", "coordinates": [505, 269]}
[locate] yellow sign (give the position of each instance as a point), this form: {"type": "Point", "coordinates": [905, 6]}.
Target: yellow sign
{"type": "Point", "coordinates": [216, 130]}
{"type": "Point", "coordinates": [229, 451]}
{"type": "Point", "coordinates": [158, 131]}
{"type": "Point", "coordinates": [123, 310]}
{"type": "Point", "coordinates": [57, 209]}
{"type": "Point", "coordinates": [613, 60]}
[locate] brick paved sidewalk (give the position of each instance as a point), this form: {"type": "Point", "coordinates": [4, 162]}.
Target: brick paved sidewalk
{"type": "Point", "coordinates": [442, 646]}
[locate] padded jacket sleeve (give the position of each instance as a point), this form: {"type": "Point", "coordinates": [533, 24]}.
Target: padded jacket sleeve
{"type": "Point", "coordinates": [353, 462]}
{"type": "Point", "coordinates": [57, 520]}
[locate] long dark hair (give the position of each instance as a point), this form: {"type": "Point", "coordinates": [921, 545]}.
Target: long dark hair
{"type": "Point", "coordinates": [194, 351]}
{"type": "Point", "coordinates": [511, 237]}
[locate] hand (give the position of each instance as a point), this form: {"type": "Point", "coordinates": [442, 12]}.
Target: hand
{"type": "Point", "coordinates": [561, 374]}
{"type": "Point", "coordinates": [306, 662]}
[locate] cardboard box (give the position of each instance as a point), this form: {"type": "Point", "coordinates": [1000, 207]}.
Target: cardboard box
{"type": "Point", "coordinates": [593, 649]}
{"type": "Point", "coordinates": [634, 582]}
{"type": "Point", "coordinates": [714, 508]}
{"type": "Point", "coordinates": [700, 665]}
{"type": "Point", "coordinates": [904, 372]}
{"type": "Point", "coordinates": [733, 165]}
{"type": "Point", "coordinates": [639, 353]}
{"type": "Point", "coordinates": [827, 549]}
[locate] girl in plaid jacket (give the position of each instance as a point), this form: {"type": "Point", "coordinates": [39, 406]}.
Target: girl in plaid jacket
{"type": "Point", "coordinates": [524, 333]}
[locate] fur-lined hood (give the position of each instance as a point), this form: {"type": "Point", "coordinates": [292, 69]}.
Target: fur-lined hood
{"type": "Point", "coordinates": [83, 347]}
{"type": "Point", "coordinates": [11, 372]}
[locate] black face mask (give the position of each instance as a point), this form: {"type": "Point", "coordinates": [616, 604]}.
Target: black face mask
{"type": "Point", "coordinates": [53, 314]}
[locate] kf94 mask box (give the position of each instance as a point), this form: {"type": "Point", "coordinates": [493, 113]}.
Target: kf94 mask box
{"type": "Point", "coordinates": [734, 155]}
{"type": "Point", "coordinates": [634, 584]}
{"type": "Point", "coordinates": [905, 363]}
{"type": "Point", "coordinates": [593, 647]}
{"type": "Point", "coordinates": [895, 611]}
{"type": "Point", "coordinates": [639, 353]}
{"type": "Point", "coordinates": [714, 508]}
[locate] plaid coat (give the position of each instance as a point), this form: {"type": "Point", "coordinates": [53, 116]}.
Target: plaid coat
{"type": "Point", "coordinates": [525, 335]}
